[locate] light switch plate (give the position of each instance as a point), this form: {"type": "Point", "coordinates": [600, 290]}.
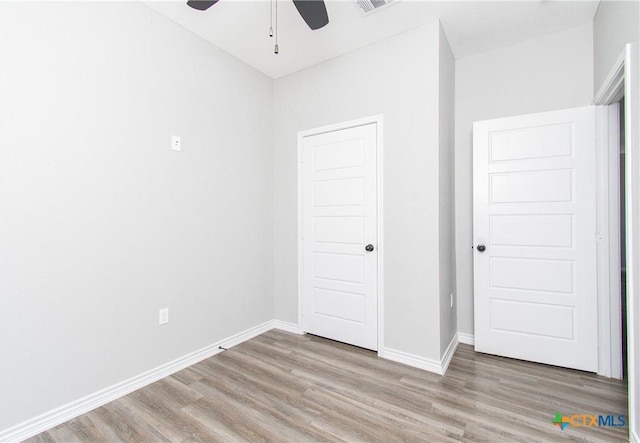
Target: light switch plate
{"type": "Point", "coordinates": [163, 316]}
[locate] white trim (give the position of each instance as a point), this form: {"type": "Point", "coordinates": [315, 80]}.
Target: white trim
{"type": "Point", "coordinates": [437, 366]}
{"type": "Point", "coordinates": [54, 417]}
{"type": "Point", "coordinates": [69, 411]}
{"type": "Point", "coordinates": [632, 177]}
{"type": "Point", "coordinates": [612, 88]}
{"type": "Point", "coordinates": [608, 241]}
{"type": "Point", "coordinates": [615, 353]}
{"type": "Point", "coordinates": [287, 327]}
{"type": "Point", "coordinates": [623, 80]}
{"type": "Point", "coordinates": [300, 232]}
{"type": "Point", "coordinates": [602, 239]}
{"type": "Point", "coordinates": [448, 353]}
{"type": "Point", "coordinates": [380, 225]}
{"type": "Point", "coordinates": [378, 120]}
{"type": "Point", "coordinates": [235, 340]}
{"type": "Point", "coordinates": [467, 339]}
{"type": "Point", "coordinates": [413, 360]}
{"type": "Point", "coordinates": [340, 126]}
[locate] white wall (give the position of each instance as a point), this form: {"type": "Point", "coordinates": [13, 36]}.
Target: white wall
{"type": "Point", "coordinates": [616, 23]}
{"type": "Point", "coordinates": [397, 77]}
{"type": "Point", "coordinates": [101, 224]}
{"type": "Point", "coordinates": [446, 65]}
{"type": "Point", "coordinates": [542, 74]}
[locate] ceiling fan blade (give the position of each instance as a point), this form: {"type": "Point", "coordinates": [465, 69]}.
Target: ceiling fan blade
{"type": "Point", "coordinates": [201, 5]}
{"type": "Point", "coordinates": [313, 12]}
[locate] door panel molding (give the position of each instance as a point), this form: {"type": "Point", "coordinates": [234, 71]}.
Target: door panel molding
{"type": "Point", "coordinates": [378, 121]}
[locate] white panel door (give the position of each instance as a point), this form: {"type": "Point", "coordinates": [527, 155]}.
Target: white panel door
{"type": "Point", "coordinates": [339, 209]}
{"type": "Point", "coordinates": [534, 220]}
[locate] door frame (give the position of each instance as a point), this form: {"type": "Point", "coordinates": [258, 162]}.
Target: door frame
{"type": "Point", "coordinates": [624, 78]}
{"type": "Point", "coordinates": [608, 240]}
{"type": "Point", "coordinates": [378, 121]}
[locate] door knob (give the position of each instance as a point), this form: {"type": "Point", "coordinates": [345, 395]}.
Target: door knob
{"type": "Point", "coordinates": [481, 248]}
{"type": "Point", "coordinates": [369, 247]}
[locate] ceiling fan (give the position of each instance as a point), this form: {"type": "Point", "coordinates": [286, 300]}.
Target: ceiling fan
{"type": "Point", "coordinates": [313, 12]}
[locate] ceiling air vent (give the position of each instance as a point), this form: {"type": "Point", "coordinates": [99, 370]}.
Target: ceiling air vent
{"type": "Point", "coordinates": [369, 6]}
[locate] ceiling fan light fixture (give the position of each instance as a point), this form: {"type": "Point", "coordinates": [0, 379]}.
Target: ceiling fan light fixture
{"type": "Point", "coordinates": [271, 18]}
{"type": "Point", "coordinates": [313, 12]}
{"type": "Point", "coordinates": [201, 5]}
{"type": "Point", "coordinates": [276, 49]}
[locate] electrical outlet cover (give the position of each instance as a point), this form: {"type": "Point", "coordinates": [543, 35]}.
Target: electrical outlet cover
{"type": "Point", "coordinates": [176, 143]}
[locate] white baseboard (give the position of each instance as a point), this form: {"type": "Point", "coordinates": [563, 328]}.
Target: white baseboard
{"type": "Point", "coordinates": [287, 327]}
{"type": "Point", "coordinates": [50, 419]}
{"type": "Point", "coordinates": [64, 413]}
{"type": "Point", "coordinates": [243, 336]}
{"type": "Point", "coordinates": [448, 353]}
{"type": "Point", "coordinates": [412, 360]}
{"type": "Point", "coordinates": [437, 366]}
{"type": "Point", "coordinates": [467, 339]}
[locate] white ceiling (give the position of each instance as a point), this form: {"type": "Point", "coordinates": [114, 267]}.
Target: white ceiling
{"type": "Point", "coordinates": [241, 27]}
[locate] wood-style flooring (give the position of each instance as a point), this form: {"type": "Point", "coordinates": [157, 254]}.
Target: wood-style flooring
{"type": "Point", "coordinates": [281, 387]}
